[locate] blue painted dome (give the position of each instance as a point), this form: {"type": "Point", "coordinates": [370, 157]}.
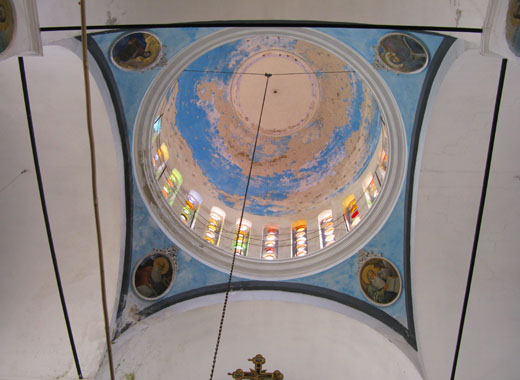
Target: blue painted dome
{"type": "Point", "coordinates": [319, 129]}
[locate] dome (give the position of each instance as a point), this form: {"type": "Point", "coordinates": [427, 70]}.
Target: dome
{"type": "Point", "coordinates": [327, 161]}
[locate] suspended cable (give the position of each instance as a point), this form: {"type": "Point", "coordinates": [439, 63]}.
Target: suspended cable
{"type": "Point", "coordinates": [94, 186]}
{"type": "Point", "coordinates": [318, 72]}
{"type": "Point", "coordinates": [13, 180]}
{"type": "Point", "coordinates": [221, 72]}
{"type": "Point", "coordinates": [263, 74]}
{"type": "Point", "coordinates": [228, 288]}
{"type": "Point", "coordinates": [46, 216]}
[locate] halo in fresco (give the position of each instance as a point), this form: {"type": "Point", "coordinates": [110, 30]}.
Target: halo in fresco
{"type": "Point", "coordinates": [154, 275]}
{"type": "Point", "coordinates": [380, 281]}
{"type": "Point", "coordinates": [402, 53]}
{"type": "Point", "coordinates": [513, 26]}
{"type": "Point", "coordinates": [6, 24]}
{"type": "Point", "coordinates": [136, 51]}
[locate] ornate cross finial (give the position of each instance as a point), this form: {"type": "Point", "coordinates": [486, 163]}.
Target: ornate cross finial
{"type": "Point", "coordinates": [258, 373]}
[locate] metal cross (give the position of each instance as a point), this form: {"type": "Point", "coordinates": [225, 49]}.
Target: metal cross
{"type": "Point", "coordinates": [258, 373]}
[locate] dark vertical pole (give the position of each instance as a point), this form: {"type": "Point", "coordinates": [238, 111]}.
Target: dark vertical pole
{"type": "Point", "coordinates": [480, 213]}
{"type": "Point", "coordinates": [46, 215]}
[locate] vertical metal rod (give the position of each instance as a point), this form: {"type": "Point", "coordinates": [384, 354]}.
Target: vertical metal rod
{"type": "Point", "coordinates": [94, 186]}
{"type": "Point", "coordinates": [46, 215]}
{"type": "Point", "coordinates": [239, 226]}
{"type": "Point", "coordinates": [480, 214]}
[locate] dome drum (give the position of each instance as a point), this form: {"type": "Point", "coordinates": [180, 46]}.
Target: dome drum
{"type": "Point", "coordinates": [334, 153]}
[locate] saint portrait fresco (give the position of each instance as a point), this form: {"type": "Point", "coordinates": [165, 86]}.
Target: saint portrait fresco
{"type": "Point", "coordinates": [154, 275]}
{"type": "Point", "coordinates": [6, 24]}
{"type": "Point", "coordinates": [380, 281]}
{"type": "Point", "coordinates": [402, 53]}
{"type": "Point", "coordinates": [136, 51]}
{"type": "Point", "coordinates": [513, 26]}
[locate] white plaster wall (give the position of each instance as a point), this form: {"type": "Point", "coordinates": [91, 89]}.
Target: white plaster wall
{"type": "Point", "coordinates": [34, 338]}
{"type": "Point", "coordinates": [26, 269]}
{"type": "Point", "coordinates": [449, 192]}
{"type": "Point", "coordinates": [492, 329]}
{"type": "Point", "coordinates": [302, 341]}
{"type": "Point", "coordinates": [467, 13]}
{"type": "Point", "coordinates": [452, 13]}
{"type": "Point", "coordinates": [447, 205]}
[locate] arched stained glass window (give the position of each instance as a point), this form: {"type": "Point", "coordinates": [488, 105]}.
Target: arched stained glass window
{"type": "Point", "coordinates": [215, 224]}
{"type": "Point", "coordinates": [191, 207]}
{"type": "Point", "coordinates": [299, 238]}
{"type": "Point", "coordinates": [270, 242]}
{"type": "Point", "coordinates": [242, 237]}
{"type": "Point", "coordinates": [159, 160]}
{"type": "Point", "coordinates": [351, 212]}
{"type": "Point", "coordinates": [326, 224]}
{"type": "Point", "coordinates": [371, 191]}
{"type": "Point", "coordinates": [381, 167]}
{"type": "Point", "coordinates": [171, 185]}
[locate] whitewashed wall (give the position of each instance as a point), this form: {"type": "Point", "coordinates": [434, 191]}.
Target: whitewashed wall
{"type": "Point", "coordinates": [450, 183]}
{"type": "Point", "coordinates": [34, 337]}
{"type": "Point", "coordinates": [302, 341]}
{"type": "Point", "coordinates": [34, 342]}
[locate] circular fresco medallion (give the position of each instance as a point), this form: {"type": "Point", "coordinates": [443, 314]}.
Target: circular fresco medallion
{"type": "Point", "coordinates": [136, 51]}
{"type": "Point", "coordinates": [380, 281]}
{"type": "Point", "coordinates": [6, 24]}
{"type": "Point", "coordinates": [513, 26]}
{"type": "Point", "coordinates": [154, 275]}
{"type": "Point", "coordinates": [402, 53]}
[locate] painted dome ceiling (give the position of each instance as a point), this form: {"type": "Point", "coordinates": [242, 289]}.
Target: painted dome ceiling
{"type": "Point", "coordinates": [328, 159]}
{"type": "Point", "coordinates": [326, 207]}
{"type": "Point", "coordinates": [320, 125]}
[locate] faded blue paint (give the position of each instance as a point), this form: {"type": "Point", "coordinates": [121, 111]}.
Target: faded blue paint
{"type": "Point", "coordinates": [147, 235]}
{"type": "Point", "coordinates": [200, 133]}
{"type": "Point", "coordinates": [282, 146]}
{"type": "Point", "coordinates": [192, 274]}
{"type": "Point", "coordinates": [132, 86]}
{"type": "Point", "coordinates": [406, 88]}
{"type": "Point", "coordinates": [344, 276]}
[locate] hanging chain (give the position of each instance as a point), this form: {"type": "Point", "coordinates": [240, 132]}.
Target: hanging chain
{"type": "Point", "coordinates": [228, 289]}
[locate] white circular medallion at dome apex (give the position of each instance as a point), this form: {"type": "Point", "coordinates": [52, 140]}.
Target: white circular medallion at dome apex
{"type": "Point", "coordinates": [246, 267]}
{"type": "Point", "coordinates": [293, 98]}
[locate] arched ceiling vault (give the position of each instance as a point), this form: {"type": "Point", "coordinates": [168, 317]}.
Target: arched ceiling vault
{"type": "Point", "coordinates": [448, 188]}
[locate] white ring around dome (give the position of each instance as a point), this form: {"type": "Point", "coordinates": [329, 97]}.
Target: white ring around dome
{"type": "Point", "coordinates": [280, 269]}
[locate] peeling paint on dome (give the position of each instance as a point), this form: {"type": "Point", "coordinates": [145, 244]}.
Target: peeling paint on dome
{"type": "Point", "coordinates": [213, 144]}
